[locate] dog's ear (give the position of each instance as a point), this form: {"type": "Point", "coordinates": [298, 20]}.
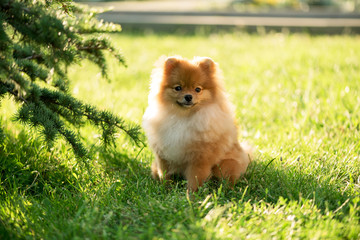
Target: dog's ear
{"type": "Point", "coordinates": [171, 63]}
{"type": "Point", "coordinates": [207, 64]}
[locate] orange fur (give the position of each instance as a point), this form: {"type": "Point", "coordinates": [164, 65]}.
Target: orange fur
{"type": "Point", "coordinates": [190, 123]}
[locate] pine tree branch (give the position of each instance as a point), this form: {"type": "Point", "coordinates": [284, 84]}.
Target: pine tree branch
{"type": "Point", "coordinates": [10, 88]}
{"type": "Point", "coordinates": [35, 57]}
{"type": "Point", "coordinates": [97, 117]}
{"type": "Point", "coordinates": [45, 40]}
{"type": "Point", "coordinates": [87, 48]}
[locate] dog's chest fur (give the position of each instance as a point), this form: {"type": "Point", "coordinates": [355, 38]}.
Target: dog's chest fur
{"type": "Point", "coordinates": [176, 136]}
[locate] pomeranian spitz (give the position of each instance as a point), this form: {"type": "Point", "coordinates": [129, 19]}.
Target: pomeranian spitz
{"type": "Point", "coordinates": [190, 123]}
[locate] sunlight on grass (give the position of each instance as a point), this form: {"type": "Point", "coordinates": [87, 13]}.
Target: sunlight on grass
{"type": "Point", "coordinates": [297, 101]}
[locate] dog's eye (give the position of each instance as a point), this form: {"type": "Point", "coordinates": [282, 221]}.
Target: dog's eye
{"type": "Point", "coordinates": [197, 89]}
{"type": "Point", "coordinates": [178, 88]}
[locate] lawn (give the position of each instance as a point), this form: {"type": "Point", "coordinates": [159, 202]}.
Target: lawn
{"type": "Point", "coordinates": [297, 101]}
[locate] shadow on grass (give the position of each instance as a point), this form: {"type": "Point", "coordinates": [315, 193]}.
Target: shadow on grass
{"type": "Point", "coordinates": [131, 201]}
{"type": "Point", "coordinates": [267, 181]}
{"type": "Point", "coordinates": [152, 208]}
{"type": "Point", "coordinates": [28, 167]}
{"type": "Point", "coordinates": [264, 181]}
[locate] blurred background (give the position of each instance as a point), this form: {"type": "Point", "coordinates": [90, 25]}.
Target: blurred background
{"type": "Point", "coordinates": [314, 16]}
{"type": "Point", "coordinates": [255, 5]}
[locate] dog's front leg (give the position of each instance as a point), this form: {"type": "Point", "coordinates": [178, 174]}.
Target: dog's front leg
{"type": "Point", "coordinates": [196, 174]}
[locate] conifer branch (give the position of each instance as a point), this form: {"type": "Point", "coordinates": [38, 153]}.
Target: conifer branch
{"type": "Point", "coordinates": [37, 43]}
{"type": "Point", "coordinates": [87, 48]}
{"type": "Point", "coordinates": [35, 56]}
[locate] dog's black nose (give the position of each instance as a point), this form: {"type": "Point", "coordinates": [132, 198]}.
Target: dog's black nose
{"type": "Point", "coordinates": [188, 97]}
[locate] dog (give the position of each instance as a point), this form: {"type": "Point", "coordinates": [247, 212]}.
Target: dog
{"type": "Point", "coordinates": [190, 123]}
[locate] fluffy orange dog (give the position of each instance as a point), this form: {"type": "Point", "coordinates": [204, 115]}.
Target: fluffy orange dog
{"type": "Point", "coordinates": [190, 125]}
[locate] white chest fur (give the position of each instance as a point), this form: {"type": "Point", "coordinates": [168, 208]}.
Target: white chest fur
{"type": "Point", "coordinates": [171, 135]}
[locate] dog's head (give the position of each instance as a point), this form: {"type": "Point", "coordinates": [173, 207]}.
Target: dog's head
{"type": "Point", "coordinates": [189, 84]}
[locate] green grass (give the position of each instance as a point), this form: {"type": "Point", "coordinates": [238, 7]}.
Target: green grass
{"type": "Point", "coordinates": [297, 101]}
